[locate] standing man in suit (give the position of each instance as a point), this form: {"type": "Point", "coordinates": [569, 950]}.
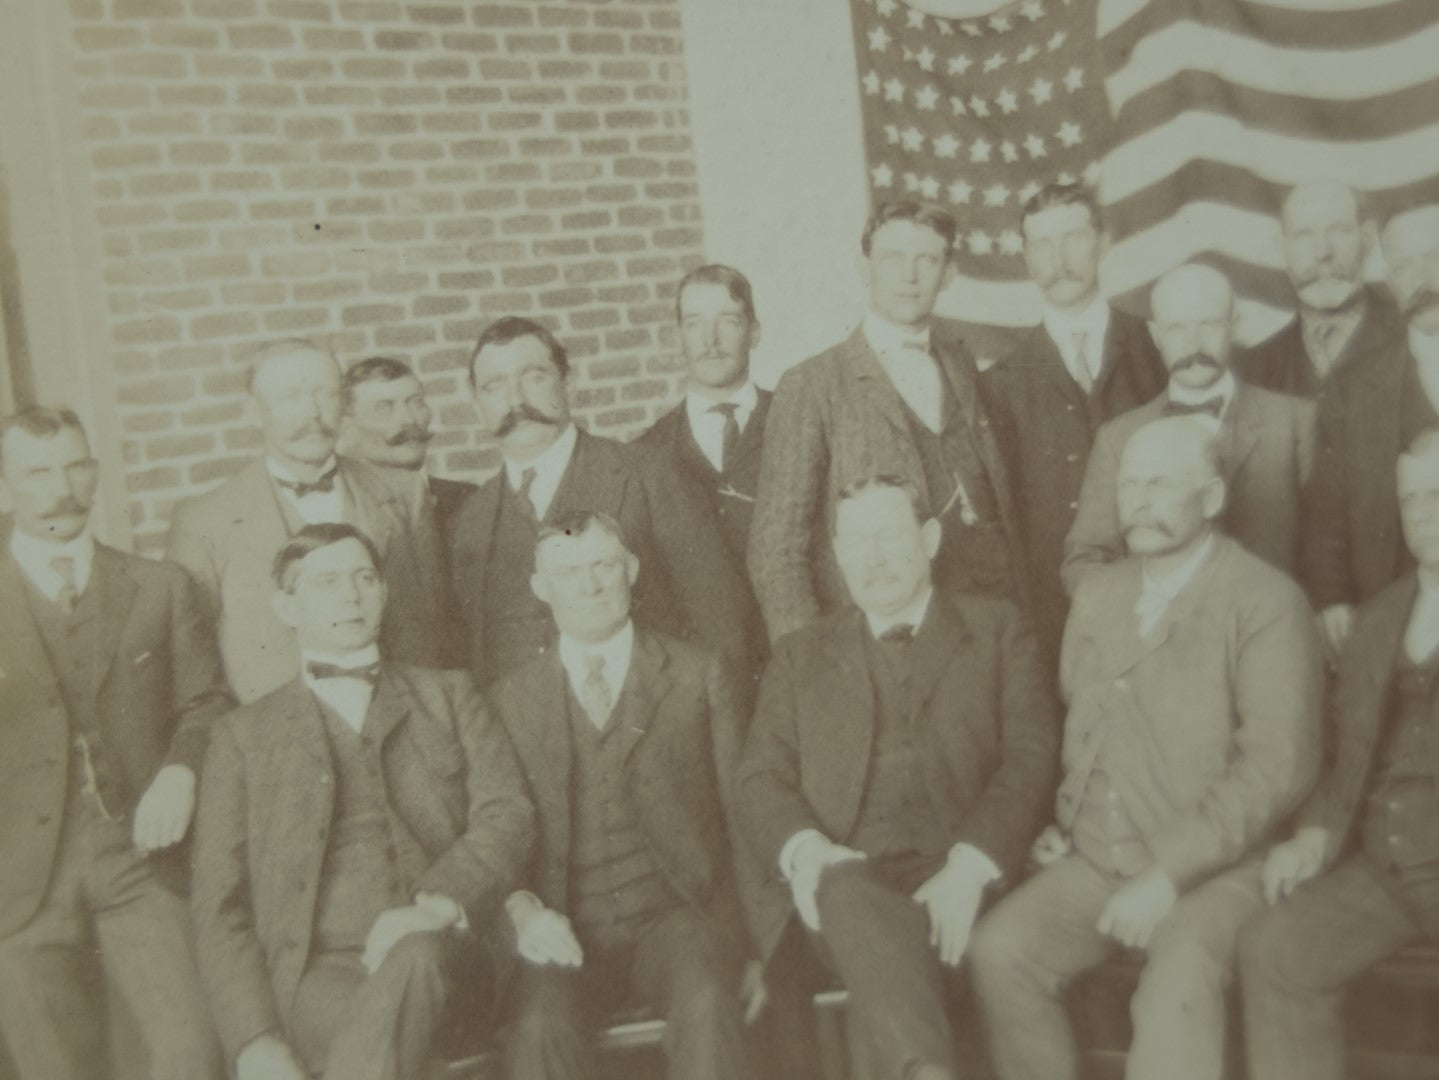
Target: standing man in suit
{"type": "Point", "coordinates": [1341, 320]}
{"type": "Point", "coordinates": [228, 537]}
{"type": "Point", "coordinates": [358, 827]}
{"type": "Point", "coordinates": [899, 766]}
{"type": "Point", "coordinates": [628, 739]}
{"type": "Point", "coordinates": [1265, 440]}
{"type": "Point", "coordinates": [717, 432]}
{"type": "Point", "coordinates": [386, 421]}
{"type": "Point", "coordinates": [1359, 872]}
{"type": "Point", "coordinates": [1353, 545]}
{"type": "Point", "coordinates": [689, 585]}
{"type": "Point", "coordinates": [1193, 674]}
{"type": "Point", "coordinates": [1083, 365]}
{"type": "Point", "coordinates": [898, 396]}
{"type": "Point", "coordinates": [109, 682]}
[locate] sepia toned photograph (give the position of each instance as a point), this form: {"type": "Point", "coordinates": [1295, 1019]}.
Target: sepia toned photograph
{"type": "Point", "coordinates": [719, 540]}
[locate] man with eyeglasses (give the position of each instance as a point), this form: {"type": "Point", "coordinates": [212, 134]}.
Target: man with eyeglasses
{"type": "Point", "coordinates": [228, 537]}
{"type": "Point", "coordinates": [109, 683]}
{"type": "Point", "coordinates": [628, 740]}
{"type": "Point", "coordinates": [357, 831]}
{"type": "Point", "coordinates": [1265, 440]}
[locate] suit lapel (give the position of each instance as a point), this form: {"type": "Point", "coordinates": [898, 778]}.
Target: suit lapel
{"type": "Point", "coordinates": [22, 651]}
{"type": "Point", "coordinates": [389, 706]}
{"type": "Point", "coordinates": [115, 593]}
{"type": "Point", "coordinates": [550, 754]}
{"type": "Point", "coordinates": [751, 439]}
{"type": "Point", "coordinates": [935, 645]}
{"type": "Point", "coordinates": [647, 682]}
{"type": "Point", "coordinates": [588, 481]}
{"type": "Point", "coordinates": [844, 705]}
{"type": "Point", "coordinates": [877, 390]}
{"type": "Point", "coordinates": [1241, 430]}
{"type": "Point", "coordinates": [257, 521]}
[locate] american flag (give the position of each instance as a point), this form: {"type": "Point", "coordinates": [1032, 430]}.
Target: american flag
{"type": "Point", "coordinates": [1192, 117]}
{"type": "Point", "coordinates": [1221, 105]}
{"type": "Point", "coordinates": [977, 114]}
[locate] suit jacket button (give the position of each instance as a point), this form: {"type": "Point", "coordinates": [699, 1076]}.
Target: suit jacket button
{"type": "Point", "coordinates": [324, 778]}
{"type": "Point", "coordinates": [1074, 505]}
{"type": "Point", "coordinates": [43, 819]}
{"type": "Point", "coordinates": [1071, 457]}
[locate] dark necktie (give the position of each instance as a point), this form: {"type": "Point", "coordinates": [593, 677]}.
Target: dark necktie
{"type": "Point", "coordinates": [300, 488]}
{"type": "Point", "coordinates": [69, 595]}
{"type": "Point", "coordinates": [1210, 406]}
{"type": "Point", "coordinates": [898, 634]}
{"type": "Point", "coordinates": [730, 439]}
{"type": "Point", "coordinates": [1081, 362]}
{"type": "Point", "coordinates": [318, 669]}
{"type": "Point", "coordinates": [527, 481]}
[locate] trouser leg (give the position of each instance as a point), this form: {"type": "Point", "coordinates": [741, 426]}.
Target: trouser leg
{"type": "Point", "coordinates": [548, 1037]}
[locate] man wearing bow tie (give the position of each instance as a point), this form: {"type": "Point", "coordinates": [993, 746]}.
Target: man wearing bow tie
{"type": "Point", "coordinates": [358, 828]}
{"type": "Point", "coordinates": [228, 537]}
{"type": "Point", "coordinates": [628, 739]}
{"type": "Point", "coordinates": [899, 765]}
{"type": "Point", "coordinates": [898, 396]}
{"type": "Point", "coordinates": [1265, 440]}
{"type": "Point", "coordinates": [109, 682]}
{"type": "Point", "coordinates": [1193, 675]}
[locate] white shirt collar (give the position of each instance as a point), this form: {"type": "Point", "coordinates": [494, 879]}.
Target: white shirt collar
{"type": "Point", "coordinates": [1172, 583]}
{"type": "Point", "coordinates": [34, 554]}
{"type": "Point", "coordinates": [1425, 347]}
{"type": "Point", "coordinates": [287, 475]}
{"type": "Point", "coordinates": [350, 698]}
{"type": "Point", "coordinates": [887, 338]}
{"type": "Point", "coordinates": [616, 650]}
{"type": "Point", "coordinates": [549, 468]}
{"type": "Point", "coordinates": [698, 405]}
{"type": "Point", "coordinates": [912, 616]}
{"type": "Point", "coordinates": [1093, 321]}
{"type": "Point", "coordinates": [1223, 388]}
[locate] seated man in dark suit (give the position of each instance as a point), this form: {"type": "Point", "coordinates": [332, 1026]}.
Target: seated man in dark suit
{"type": "Point", "coordinates": [1361, 873]}
{"type": "Point", "coordinates": [1193, 675]}
{"type": "Point", "coordinates": [715, 434]}
{"type": "Point", "coordinates": [689, 584]}
{"type": "Point", "coordinates": [628, 739]}
{"type": "Point", "coordinates": [355, 826]}
{"type": "Point", "coordinates": [1265, 440]}
{"type": "Point", "coordinates": [1341, 320]}
{"type": "Point", "coordinates": [899, 765]}
{"type": "Point", "coordinates": [109, 682]}
{"type": "Point", "coordinates": [386, 422]}
{"type": "Point", "coordinates": [1084, 364]}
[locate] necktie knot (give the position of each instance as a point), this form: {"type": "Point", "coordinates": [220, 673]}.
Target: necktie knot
{"type": "Point", "coordinates": [322, 485]}
{"type": "Point", "coordinates": [69, 594]}
{"type": "Point", "coordinates": [1209, 406]}
{"type": "Point", "coordinates": [897, 634]}
{"type": "Point", "coordinates": [1082, 375]}
{"type": "Point", "coordinates": [595, 695]}
{"type": "Point", "coordinates": [319, 669]}
{"type": "Point", "coordinates": [730, 437]}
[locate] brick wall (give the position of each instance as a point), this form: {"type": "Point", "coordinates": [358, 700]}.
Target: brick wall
{"type": "Point", "coordinates": [387, 177]}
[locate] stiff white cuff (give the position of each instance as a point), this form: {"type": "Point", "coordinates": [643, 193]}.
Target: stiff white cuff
{"type": "Point", "coordinates": [786, 853]}
{"type": "Point", "coordinates": [970, 858]}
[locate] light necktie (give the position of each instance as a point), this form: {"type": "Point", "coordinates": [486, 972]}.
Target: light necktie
{"type": "Point", "coordinates": [69, 595]}
{"type": "Point", "coordinates": [730, 439]}
{"type": "Point", "coordinates": [595, 696]}
{"type": "Point", "coordinates": [1081, 362]}
{"type": "Point", "coordinates": [527, 481]}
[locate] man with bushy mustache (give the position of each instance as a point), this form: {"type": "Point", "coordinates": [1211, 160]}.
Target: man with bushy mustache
{"type": "Point", "coordinates": [1265, 440]}
{"type": "Point", "coordinates": [689, 584]}
{"type": "Point", "coordinates": [227, 538]}
{"type": "Point", "coordinates": [1326, 240]}
{"type": "Point", "coordinates": [1353, 543]}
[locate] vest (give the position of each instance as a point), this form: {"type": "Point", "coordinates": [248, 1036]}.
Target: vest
{"type": "Point", "coordinates": [516, 624]}
{"type": "Point", "coordinates": [971, 557]}
{"type": "Point", "coordinates": [896, 816]}
{"type": "Point", "coordinates": [616, 883]}
{"type": "Point", "coordinates": [1103, 831]}
{"type": "Point", "coordinates": [371, 860]}
{"type": "Point", "coordinates": [1400, 826]}
{"type": "Point", "coordinates": [74, 649]}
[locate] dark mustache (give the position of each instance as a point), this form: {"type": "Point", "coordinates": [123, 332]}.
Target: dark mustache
{"type": "Point", "coordinates": [1196, 359]}
{"type": "Point", "coordinates": [417, 435]}
{"type": "Point", "coordinates": [512, 419]}
{"type": "Point", "coordinates": [1163, 530]}
{"type": "Point", "coordinates": [66, 507]}
{"type": "Point", "coordinates": [315, 427]}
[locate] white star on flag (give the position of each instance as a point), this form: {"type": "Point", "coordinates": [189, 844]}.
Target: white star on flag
{"type": "Point", "coordinates": [960, 191]}
{"type": "Point", "coordinates": [925, 58]}
{"type": "Point", "coordinates": [894, 90]}
{"type": "Point", "coordinates": [959, 64]}
{"type": "Point", "coordinates": [926, 98]}
{"type": "Point", "coordinates": [1059, 38]}
{"type": "Point", "coordinates": [878, 39]}
{"type": "Point", "coordinates": [882, 175]}
{"type": "Point", "coordinates": [971, 29]}
{"type": "Point", "coordinates": [1029, 191]}
{"type": "Point", "coordinates": [945, 30]}
{"type": "Point", "coordinates": [1074, 79]}
{"type": "Point", "coordinates": [978, 106]}
{"type": "Point", "coordinates": [1092, 173]}
{"type": "Point", "coordinates": [891, 133]}
{"type": "Point", "coordinates": [980, 243]}
{"type": "Point", "coordinates": [911, 182]}
{"type": "Point", "coordinates": [946, 146]}
{"type": "Point", "coordinates": [1007, 100]}
{"type": "Point", "coordinates": [1042, 90]}
{"type": "Point", "coordinates": [871, 83]}
{"type": "Point", "coordinates": [1011, 243]}
{"type": "Point", "coordinates": [996, 195]}
{"type": "Point", "coordinates": [886, 7]}
{"type": "Point", "coordinates": [1070, 134]}
{"type": "Point", "coordinates": [999, 24]}
{"type": "Point", "coordinates": [915, 18]}
{"type": "Point", "coordinates": [979, 150]}
{"type": "Point", "coordinates": [1034, 145]}
{"type": "Point", "coordinates": [1032, 10]}
{"type": "Point", "coordinates": [913, 139]}
{"type": "Point", "coordinates": [929, 187]}
{"type": "Point", "coordinates": [957, 105]}
{"type": "Point", "coordinates": [1026, 54]}
{"type": "Point", "coordinates": [994, 63]}
{"type": "Point", "coordinates": [1009, 151]}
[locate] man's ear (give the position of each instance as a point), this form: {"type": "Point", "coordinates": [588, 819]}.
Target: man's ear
{"type": "Point", "coordinates": [632, 568]}
{"type": "Point", "coordinates": [1214, 493]}
{"type": "Point", "coordinates": [754, 334]}
{"type": "Point", "coordinates": [287, 607]}
{"type": "Point", "coordinates": [930, 532]}
{"type": "Point", "coordinates": [540, 586]}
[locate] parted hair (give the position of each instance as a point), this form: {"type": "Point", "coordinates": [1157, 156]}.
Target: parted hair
{"type": "Point", "coordinates": [257, 357]}
{"type": "Point", "coordinates": [579, 522]}
{"type": "Point", "coordinates": [41, 421]}
{"type": "Point", "coordinates": [373, 369]}
{"type": "Point", "coordinates": [511, 328]}
{"type": "Point", "coordinates": [313, 538]}
{"type": "Point", "coordinates": [917, 502]}
{"type": "Point", "coordinates": [926, 214]}
{"type": "Point", "coordinates": [735, 283]}
{"type": "Point", "coordinates": [1063, 195]}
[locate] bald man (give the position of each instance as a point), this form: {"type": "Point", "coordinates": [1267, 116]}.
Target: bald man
{"type": "Point", "coordinates": [228, 537]}
{"type": "Point", "coordinates": [1192, 672]}
{"type": "Point", "coordinates": [1265, 441]}
{"type": "Point", "coordinates": [1361, 863]}
{"type": "Point", "coordinates": [1341, 320]}
{"type": "Point", "coordinates": [1353, 546]}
